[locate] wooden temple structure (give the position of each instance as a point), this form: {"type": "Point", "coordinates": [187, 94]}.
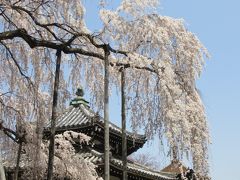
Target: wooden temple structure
{"type": "Point", "coordinates": [80, 118]}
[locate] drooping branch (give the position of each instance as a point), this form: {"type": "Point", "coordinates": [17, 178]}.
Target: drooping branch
{"type": "Point", "coordinates": [17, 64]}
{"type": "Point", "coordinates": [7, 106]}
{"type": "Point", "coordinates": [12, 134]}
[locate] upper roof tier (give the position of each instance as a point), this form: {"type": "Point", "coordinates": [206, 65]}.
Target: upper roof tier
{"type": "Point", "coordinates": [81, 116]}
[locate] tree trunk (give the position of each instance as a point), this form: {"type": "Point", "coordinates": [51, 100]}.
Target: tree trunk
{"type": "Point", "coordinates": [18, 160]}
{"type": "Point", "coordinates": [2, 172]}
{"type": "Point", "coordinates": [106, 117]}
{"type": "Point", "coordinates": [54, 116]}
{"type": "Point", "coordinates": [124, 137]}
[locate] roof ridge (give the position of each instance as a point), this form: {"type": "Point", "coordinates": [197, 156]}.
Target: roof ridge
{"type": "Point", "coordinates": [88, 111]}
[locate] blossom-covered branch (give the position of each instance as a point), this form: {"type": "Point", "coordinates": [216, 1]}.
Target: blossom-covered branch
{"type": "Point", "coordinates": [161, 57]}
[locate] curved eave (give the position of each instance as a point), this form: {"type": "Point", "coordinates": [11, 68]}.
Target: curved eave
{"type": "Point", "coordinates": [76, 118]}
{"type": "Point", "coordinates": [118, 132]}
{"type": "Point", "coordinates": [132, 168]}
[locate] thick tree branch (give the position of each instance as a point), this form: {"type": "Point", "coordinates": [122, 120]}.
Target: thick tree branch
{"type": "Point", "coordinates": [65, 47]}
{"type": "Point", "coordinates": [33, 43]}
{"type": "Point", "coordinates": [10, 133]}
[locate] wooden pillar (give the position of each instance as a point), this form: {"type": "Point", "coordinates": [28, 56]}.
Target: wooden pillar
{"type": "Point", "coordinates": [124, 137]}
{"type": "Point", "coordinates": [54, 117]}
{"type": "Point", "coordinates": [106, 115]}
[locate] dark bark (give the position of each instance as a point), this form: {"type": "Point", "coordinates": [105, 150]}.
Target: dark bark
{"type": "Point", "coordinates": [18, 160]}
{"type": "Point", "coordinates": [34, 42]}
{"type": "Point", "coordinates": [124, 137]}
{"type": "Point", "coordinates": [106, 115]}
{"type": "Point", "coordinates": [174, 153]}
{"type": "Point", "coordinates": [54, 116]}
{"type": "Point", "coordinates": [19, 140]}
{"type": "Point", "coordinates": [10, 133]}
{"type": "Point", "coordinates": [65, 47]}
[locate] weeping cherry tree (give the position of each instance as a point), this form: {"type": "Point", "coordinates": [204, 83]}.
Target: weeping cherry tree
{"type": "Point", "coordinates": [161, 58]}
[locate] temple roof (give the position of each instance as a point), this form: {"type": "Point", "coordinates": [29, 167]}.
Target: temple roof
{"type": "Point", "coordinates": [132, 167]}
{"type": "Point", "coordinates": [175, 167]}
{"type": "Point", "coordinates": [81, 116]}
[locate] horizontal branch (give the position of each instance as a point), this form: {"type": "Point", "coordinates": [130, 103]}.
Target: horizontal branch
{"type": "Point", "coordinates": [34, 42]}
{"type": "Point", "coordinates": [65, 47]}
{"type": "Point", "coordinates": [127, 65]}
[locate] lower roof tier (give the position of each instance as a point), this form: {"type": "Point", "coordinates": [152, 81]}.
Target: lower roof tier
{"type": "Point", "coordinates": [134, 170]}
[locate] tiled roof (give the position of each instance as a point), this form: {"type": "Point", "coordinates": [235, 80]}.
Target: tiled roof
{"type": "Point", "coordinates": [143, 170]}
{"type": "Point", "coordinates": [134, 168]}
{"type": "Point", "coordinates": [175, 167]}
{"type": "Point", "coordinates": [75, 117]}
{"type": "Point", "coordinates": [97, 158]}
{"type": "Point", "coordinates": [92, 156]}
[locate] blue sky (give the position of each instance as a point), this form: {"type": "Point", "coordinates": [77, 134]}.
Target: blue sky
{"type": "Point", "coordinates": [217, 25]}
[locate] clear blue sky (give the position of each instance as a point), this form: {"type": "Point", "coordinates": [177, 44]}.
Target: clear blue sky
{"type": "Point", "coordinates": [217, 24]}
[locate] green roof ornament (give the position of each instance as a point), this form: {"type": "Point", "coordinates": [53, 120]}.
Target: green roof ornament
{"type": "Point", "coordinates": [79, 99]}
{"type": "Point", "coordinates": [80, 92]}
